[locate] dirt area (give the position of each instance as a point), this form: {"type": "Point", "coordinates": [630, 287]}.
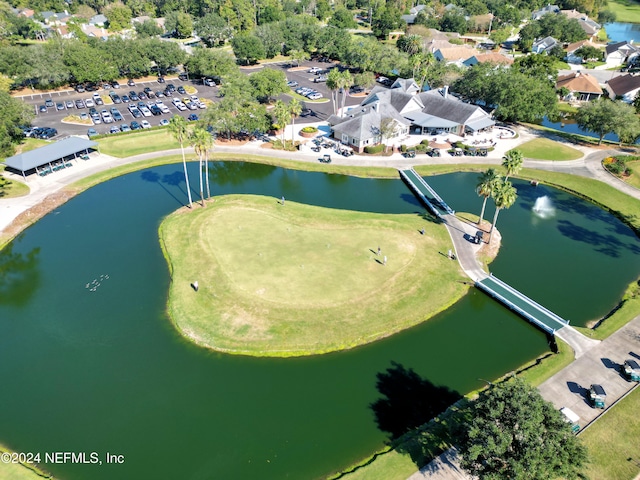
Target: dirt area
{"type": "Point", "coordinates": [35, 213]}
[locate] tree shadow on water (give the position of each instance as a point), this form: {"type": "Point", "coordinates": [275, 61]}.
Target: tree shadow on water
{"type": "Point", "coordinates": [19, 276]}
{"type": "Point", "coordinates": [408, 400]}
{"type": "Point", "coordinates": [603, 243]}
{"type": "Point", "coordinates": [153, 177]}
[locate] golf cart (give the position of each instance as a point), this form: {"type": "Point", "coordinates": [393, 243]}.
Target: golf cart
{"type": "Point", "coordinates": [325, 159]}
{"type": "Point", "coordinates": [572, 418]}
{"type": "Point", "coordinates": [631, 370]}
{"type": "Point", "coordinates": [597, 396]}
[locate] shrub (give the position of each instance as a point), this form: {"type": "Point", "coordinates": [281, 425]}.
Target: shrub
{"type": "Point", "coordinates": [403, 148]}
{"type": "Point", "coordinates": [374, 149]}
{"type": "Point", "coordinates": [421, 148]}
{"type": "Point", "coordinates": [309, 130]}
{"type": "Point", "coordinates": [424, 142]}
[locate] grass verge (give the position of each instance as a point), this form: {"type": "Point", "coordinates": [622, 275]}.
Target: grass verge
{"type": "Point", "coordinates": [289, 280]}
{"type": "Point", "coordinates": [135, 143]}
{"type": "Point", "coordinates": [546, 149]}
{"type": "Point", "coordinates": [612, 441]}
{"type": "Point", "coordinates": [627, 10]}
{"type": "Point", "coordinates": [20, 471]}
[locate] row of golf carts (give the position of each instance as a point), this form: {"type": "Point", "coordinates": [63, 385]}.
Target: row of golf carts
{"type": "Point", "coordinates": [597, 394]}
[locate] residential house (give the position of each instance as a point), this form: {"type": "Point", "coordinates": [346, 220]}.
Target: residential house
{"type": "Point", "coordinates": [538, 14]}
{"type": "Point", "coordinates": [620, 53]}
{"type": "Point", "coordinates": [98, 20]}
{"type": "Point", "coordinates": [573, 47]}
{"type": "Point", "coordinates": [410, 19]}
{"type": "Point", "coordinates": [582, 86]}
{"type": "Point", "coordinates": [496, 58]}
{"type": "Point", "coordinates": [456, 54]}
{"type": "Point", "coordinates": [625, 87]}
{"type": "Point", "coordinates": [544, 45]}
{"type": "Point", "coordinates": [590, 27]}
{"type": "Point", "coordinates": [429, 112]}
{"type": "Point", "coordinates": [26, 12]}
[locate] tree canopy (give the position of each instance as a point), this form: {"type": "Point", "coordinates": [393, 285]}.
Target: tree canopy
{"type": "Point", "coordinates": [514, 433]}
{"type": "Point", "coordinates": [13, 114]}
{"type": "Point", "coordinates": [603, 116]}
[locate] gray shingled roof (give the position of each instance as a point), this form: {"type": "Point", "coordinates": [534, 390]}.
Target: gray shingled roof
{"type": "Point", "coordinates": [448, 108]}
{"type": "Point", "coordinates": [395, 97]}
{"type": "Point", "coordinates": [24, 162]}
{"type": "Point", "coordinates": [366, 123]}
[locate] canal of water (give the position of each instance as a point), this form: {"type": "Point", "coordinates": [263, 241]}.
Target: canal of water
{"type": "Point", "coordinates": [104, 370]}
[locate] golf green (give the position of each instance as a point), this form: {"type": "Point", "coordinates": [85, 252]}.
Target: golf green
{"type": "Point", "coordinates": [289, 279]}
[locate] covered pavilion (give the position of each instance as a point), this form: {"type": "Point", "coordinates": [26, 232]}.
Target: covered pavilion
{"type": "Point", "coordinates": [50, 157]}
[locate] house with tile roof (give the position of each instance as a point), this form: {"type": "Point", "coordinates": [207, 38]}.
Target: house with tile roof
{"type": "Point", "coordinates": [456, 54]}
{"type": "Point", "coordinates": [590, 27]}
{"type": "Point", "coordinates": [624, 87]}
{"type": "Point", "coordinates": [582, 86]}
{"type": "Point", "coordinates": [496, 58]}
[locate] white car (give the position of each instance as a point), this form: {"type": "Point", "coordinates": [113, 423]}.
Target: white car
{"type": "Point", "coordinates": [89, 103]}
{"type": "Point", "coordinates": [314, 70]}
{"type": "Point", "coordinates": [145, 111]}
{"type": "Point", "coordinates": [181, 106]}
{"type": "Point", "coordinates": [201, 105]}
{"type": "Point", "coordinates": [315, 96]}
{"type": "Point", "coordinates": [163, 108]}
{"type": "Point", "coordinates": [145, 124]}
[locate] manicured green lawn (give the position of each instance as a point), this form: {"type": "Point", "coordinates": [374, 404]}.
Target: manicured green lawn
{"type": "Point", "coordinates": [14, 189]}
{"type": "Point", "coordinates": [545, 149]}
{"type": "Point", "coordinates": [634, 179]}
{"type": "Point", "coordinates": [126, 145]}
{"type": "Point", "coordinates": [296, 279]}
{"type": "Point", "coordinates": [31, 144]}
{"type": "Point", "coordinates": [16, 471]}
{"type": "Point", "coordinates": [625, 10]}
{"type": "Point", "coordinates": [614, 441]}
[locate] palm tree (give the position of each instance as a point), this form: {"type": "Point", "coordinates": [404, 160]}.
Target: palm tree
{"type": "Point", "coordinates": [179, 129]}
{"type": "Point", "coordinates": [282, 116]}
{"type": "Point", "coordinates": [512, 161]}
{"type": "Point", "coordinates": [295, 109]}
{"type": "Point", "coordinates": [200, 139]}
{"type": "Point", "coordinates": [333, 84]}
{"type": "Point", "coordinates": [207, 145]}
{"type": "Point", "coordinates": [504, 196]}
{"type": "Point", "coordinates": [487, 183]}
{"type": "Point", "coordinates": [345, 82]}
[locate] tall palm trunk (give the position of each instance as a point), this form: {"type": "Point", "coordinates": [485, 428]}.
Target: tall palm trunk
{"type": "Point", "coordinates": [206, 173]}
{"type": "Point", "coordinates": [186, 175]}
{"type": "Point", "coordinates": [200, 177]}
{"type": "Point", "coordinates": [493, 225]}
{"type": "Point", "coordinates": [484, 204]}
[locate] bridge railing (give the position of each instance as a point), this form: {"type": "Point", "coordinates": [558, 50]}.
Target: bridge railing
{"type": "Point", "coordinates": [433, 193]}
{"type": "Point", "coordinates": [420, 195]}
{"type": "Point", "coordinates": [543, 326]}
{"type": "Point", "coordinates": [531, 302]}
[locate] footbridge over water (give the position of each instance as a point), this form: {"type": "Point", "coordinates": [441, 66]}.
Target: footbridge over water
{"type": "Point", "coordinates": [463, 235]}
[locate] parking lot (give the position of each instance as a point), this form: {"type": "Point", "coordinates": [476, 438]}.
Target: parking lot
{"type": "Point", "coordinates": [63, 103]}
{"type": "Point", "coordinates": [54, 115]}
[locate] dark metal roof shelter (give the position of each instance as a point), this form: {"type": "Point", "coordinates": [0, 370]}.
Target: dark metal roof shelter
{"type": "Point", "coordinates": [598, 390]}
{"type": "Point", "coordinates": [70, 146]}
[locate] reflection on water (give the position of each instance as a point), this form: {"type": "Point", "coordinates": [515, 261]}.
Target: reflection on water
{"type": "Point", "coordinates": [19, 275]}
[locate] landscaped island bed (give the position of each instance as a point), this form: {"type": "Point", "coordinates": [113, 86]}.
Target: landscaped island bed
{"type": "Point", "coordinates": [286, 280]}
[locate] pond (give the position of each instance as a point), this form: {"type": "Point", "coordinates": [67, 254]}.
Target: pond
{"type": "Point", "coordinates": [104, 370]}
{"type": "Point", "coordinates": [570, 126]}
{"type": "Point", "coordinates": [621, 31]}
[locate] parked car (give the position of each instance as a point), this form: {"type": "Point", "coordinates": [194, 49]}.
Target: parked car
{"type": "Point", "coordinates": [164, 122]}
{"type": "Point", "coordinates": [163, 108]}
{"type": "Point", "coordinates": [292, 83]}
{"type": "Point", "coordinates": [84, 116]}
{"type": "Point", "coordinates": [315, 96]}
{"type": "Point", "coordinates": [106, 116]}
{"type": "Point", "coordinates": [209, 82]}
{"type": "Point", "coordinates": [321, 78]}
{"type": "Point", "coordinates": [60, 106]}
{"type": "Point", "coordinates": [114, 129]}
{"type": "Point", "coordinates": [183, 76]}
{"type": "Point", "coordinates": [42, 109]}
{"type": "Point", "coordinates": [135, 125]}
{"type": "Point", "coordinates": [133, 96]}
{"type": "Point", "coordinates": [171, 87]}
{"type": "Point", "coordinates": [89, 103]}
{"type": "Point", "coordinates": [314, 70]}
{"type": "Point", "coordinates": [49, 103]}
{"type": "Point", "coordinates": [159, 94]}
{"type": "Point", "coordinates": [131, 83]}
{"type": "Point", "coordinates": [155, 110]}
{"type": "Point", "coordinates": [97, 119]}
{"type": "Point", "coordinates": [125, 99]}
{"type": "Point", "coordinates": [116, 98]}
{"type": "Point", "coordinates": [69, 104]}
{"type": "Point", "coordinates": [90, 87]}
{"type": "Point", "coordinates": [145, 124]}
{"type": "Point", "coordinates": [79, 88]}
{"type": "Point", "coordinates": [80, 104]}
{"type": "Point", "coordinates": [117, 116]}
{"type": "Point", "coordinates": [193, 117]}
{"type": "Point", "coordinates": [92, 132]}
{"type": "Point", "coordinates": [160, 79]}
{"type": "Point", "coordinates": [181, 90]}
{"type": "Point", "coordinates": [115, 84]}
{"type": "Point", "coordinates": [125, 128]}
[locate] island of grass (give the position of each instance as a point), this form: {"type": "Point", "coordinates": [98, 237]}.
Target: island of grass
{"type": "Point", "coordinates": [291, 280]}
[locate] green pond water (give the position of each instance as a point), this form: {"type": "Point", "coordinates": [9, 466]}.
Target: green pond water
{"type": "Point", "coordinates": [104, 371]}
